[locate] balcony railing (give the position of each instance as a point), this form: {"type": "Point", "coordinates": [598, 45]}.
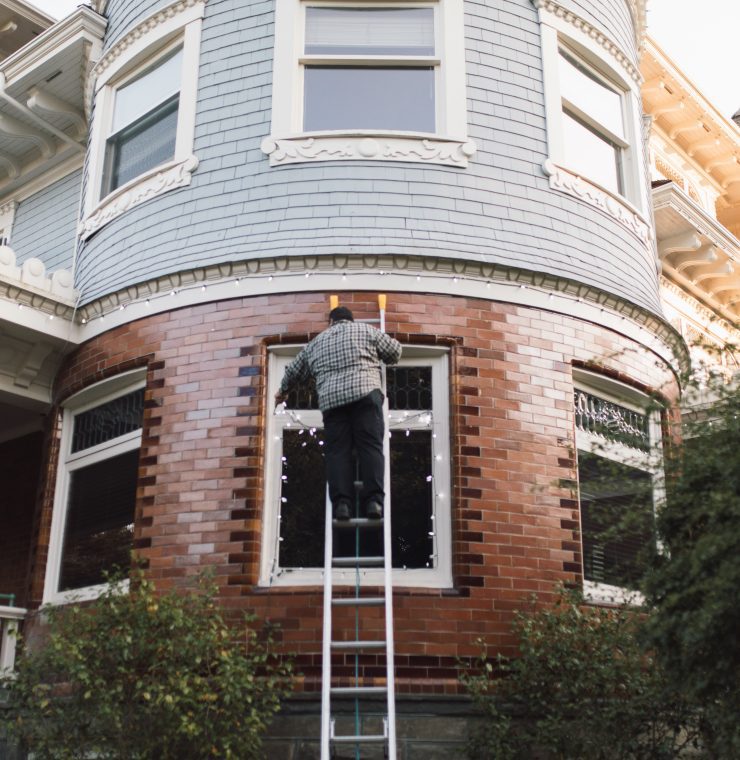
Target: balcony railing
{"type": "Point", "coordinates": [10, 619]}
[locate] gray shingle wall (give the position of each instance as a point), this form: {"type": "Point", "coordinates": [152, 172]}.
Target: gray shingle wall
{"type": "Point", "coordinates": [45, 224]}
{"type": "Point", "coordinates": [499, 209]}
{"type": "Point", "coordinates": [123, 15]}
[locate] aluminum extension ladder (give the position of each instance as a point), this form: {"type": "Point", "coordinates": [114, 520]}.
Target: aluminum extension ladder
{"type": "Point", "coordinates": [331, 741]}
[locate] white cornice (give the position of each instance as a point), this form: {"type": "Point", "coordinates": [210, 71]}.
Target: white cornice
{"type": "Point", "coordinates": [597, 35]}
{"type": "Point", "coordinates": [84, 23]}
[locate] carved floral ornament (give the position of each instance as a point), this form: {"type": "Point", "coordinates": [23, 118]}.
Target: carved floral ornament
{"type": "Point", "coordinates": [364, 147]}
{"type": "Point", "coordinates": [571, 184]}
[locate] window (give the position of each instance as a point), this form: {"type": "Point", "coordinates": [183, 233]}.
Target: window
{"type": "Point", "coordinates": [618, 476]}
{"type": "Point", "coordinates": [388, 77]}
{"type": "Point", "coordinates": [593, 124]}
{"type": "Point", "coordinates": [144, 124]}
{"type": "Point", "coordinates": [141, 142]}
{"type": "Point", "coordinates": [92, 526]}
{"type": "Point", "coordinates": [420, 480]}
{"type": "Point", "coordinates": [593, 107]}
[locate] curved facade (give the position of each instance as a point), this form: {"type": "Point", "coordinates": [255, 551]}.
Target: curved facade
{"type": "Point", "coordinates": [509, 227]}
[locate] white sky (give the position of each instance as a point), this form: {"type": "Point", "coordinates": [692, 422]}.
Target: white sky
{"type": "Point", "coordinates": [701, 36]}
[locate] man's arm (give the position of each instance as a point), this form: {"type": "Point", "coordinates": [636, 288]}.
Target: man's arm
{"type": "Point", "coordinates": [295, 373]}
{"type": "Point", "coordinates": [389, 349]}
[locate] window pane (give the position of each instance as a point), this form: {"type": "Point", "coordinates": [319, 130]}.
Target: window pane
{"type": "Point", "coordinates": [108, 421]}
{"type": "Point", "coordinates": [150, 89]}
{"type": "Point", "coordinates": [354, 97]}
{"type": "Point", "coordinates": [100, 516]}
{"type": "Point", "coordinates": [369, 31]}
{"type": "Point", "coordinates": [591, 155]}
{"type": "Point", "coordinates": [591, 96]}
{"type": "Point", "coordinates": [409, 387]}
{"type": "Point", "coordinates": [144, 145]}
{"type": "Point", "coordinates": [303, 495]}
{"type": "Point", "coordinates": [616, 519]}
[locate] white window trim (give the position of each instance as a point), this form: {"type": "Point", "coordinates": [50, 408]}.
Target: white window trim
{"type": "Point", "coordinates": [179, 24]}
{"type": "Point", "coordinates": [593, 47]}
{"type": "Point", "coordinates": [288, 143]}
{"type": "Point", "coordinates": [437, 577]}
{"type": "Point", "coordinates": [650, 461]}
{"type": "Point", "coordinates": [95, 395]}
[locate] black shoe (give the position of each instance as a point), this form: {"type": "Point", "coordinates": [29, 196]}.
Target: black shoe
{"type": "Point", "coordinates": [374, 511]}
{"type": "Point", "coordinates": [341, 511]}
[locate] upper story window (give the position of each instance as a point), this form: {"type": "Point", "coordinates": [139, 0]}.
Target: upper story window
{"type": "Point", "coordinates": [419, 499]}
{"type": "Point", "coordinates": [142, 134]}
{"type": "Point", "coordinates": [93, 518]}
{"type": "Point", "coordinates": [144, 123]}
{"type": "Point", "coordinates": [620, 482]}
{"type": "Point", "coordinates": [594, 123]}
{"type": "Point", "coordinates": [387, 77]}
{"type": "Point", "coordinates": [594, 137]}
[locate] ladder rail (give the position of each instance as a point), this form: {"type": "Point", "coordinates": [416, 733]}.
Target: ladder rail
{"type": "Point", "coordinates": [388, 564]}
{"type": "Point", "coordinates": [326, 644]}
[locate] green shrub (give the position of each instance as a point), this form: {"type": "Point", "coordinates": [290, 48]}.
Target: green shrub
{"type": "Point", "coordinates": [140, 675]}
{"type": "Point", "coordinates": [581, 687]}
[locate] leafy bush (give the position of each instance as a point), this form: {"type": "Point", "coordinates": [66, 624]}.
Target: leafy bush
{"type": "Point", "coordinates": [138, 675]}
{"type": "Point", "coordinates": [582, 687]}
{"type": "Point", "coordinates": [693, 584]}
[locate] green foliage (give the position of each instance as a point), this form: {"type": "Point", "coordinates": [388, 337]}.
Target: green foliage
{"type": "Point", "coordinates": [581, 687]}
{"type": "Point", "coordinates": [694, 584]}
{"type": "Point", "coordinates": [143, 676]}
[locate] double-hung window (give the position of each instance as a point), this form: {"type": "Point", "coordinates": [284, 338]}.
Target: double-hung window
{"type": "Point", "coordinates": [419, 499]}
{"type": "Point", "coordinates": [143, 128]}
{"type": "Point", "coordinates": [594, 138]}
{"type": "Point", "coordinates": [619, 481]}
{"type": "Point", "coordinates": [369, 68]}
{"type": "Point", "coordinates": [369, 79]}
{"type": "Point", "coordinates": [144, 124]}
{"type": "Point", "coordinates": [92, 525]}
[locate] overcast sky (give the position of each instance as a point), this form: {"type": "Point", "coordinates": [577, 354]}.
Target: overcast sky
{"type": "Point", "coordinates": [700, 36]}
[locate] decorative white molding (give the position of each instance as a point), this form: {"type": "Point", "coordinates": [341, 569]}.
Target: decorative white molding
{"type": "Point", "coordinates": [46, 103]}
{"type": "Point", "coordinates": [145, 28]}
{"type": "Point", "coordinates": [567, 182]}
{"type": "Point", "coordinates": [558, 11]}
{"type": "Point", "coordinates": [337, 147]}
{"type": "Point", "coordinates": [155, 182]}
{"type": "Point", "coordinates": [7, 217]}
{"type": "Point", "coordinates": [31, 276]}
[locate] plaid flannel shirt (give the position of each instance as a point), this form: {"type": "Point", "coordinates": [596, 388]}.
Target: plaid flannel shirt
{"type": "Point", "coordinates": [345, 362]}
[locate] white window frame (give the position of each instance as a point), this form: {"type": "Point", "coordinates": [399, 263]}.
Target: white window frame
{"type": "Point", "coordinates": [649, 461]}
{"type": "Point", "coordinates": [289, 143]}
{"type": "Point", "coordinates": [439, 576]}
{"type": "Point", "coordinates": [592, 49]}
{"type": "Point", "coordinates": [179, 25]}
{"type": "Point", "coordinates": [87, 399]}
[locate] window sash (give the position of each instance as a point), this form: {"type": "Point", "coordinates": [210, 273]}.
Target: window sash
{"type": "Point", "coordinates": [591, 154]}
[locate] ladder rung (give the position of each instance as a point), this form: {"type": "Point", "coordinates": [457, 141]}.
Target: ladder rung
{"type": "Point", "coordinates": [357, 561]}
{"type": "Point", "coordinates": [351, 691]}
{"type": "Point", "coordinates": [358, 522]}
{"type": "Point", "coordinates": [359, 601]}
{"type": "Point", "coordinates": [356, 646]}
{"type": "Point", "coordinates": [360, 739]}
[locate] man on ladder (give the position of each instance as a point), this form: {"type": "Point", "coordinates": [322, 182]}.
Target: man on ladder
{"type": "Point", "coordinates": [345, 360]}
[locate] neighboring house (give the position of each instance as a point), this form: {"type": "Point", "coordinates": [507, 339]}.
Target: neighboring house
{"type": "Point", "coordinates": [183, 184]}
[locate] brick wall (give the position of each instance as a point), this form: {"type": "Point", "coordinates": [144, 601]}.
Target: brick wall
{"type": "Point", "coordinates": [515, 521]}
{"type": "Point", "coordinates": [20, 465]}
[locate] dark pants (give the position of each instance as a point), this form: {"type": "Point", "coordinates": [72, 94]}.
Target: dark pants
{"type": "Point", "coordinates": [359, 425]}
